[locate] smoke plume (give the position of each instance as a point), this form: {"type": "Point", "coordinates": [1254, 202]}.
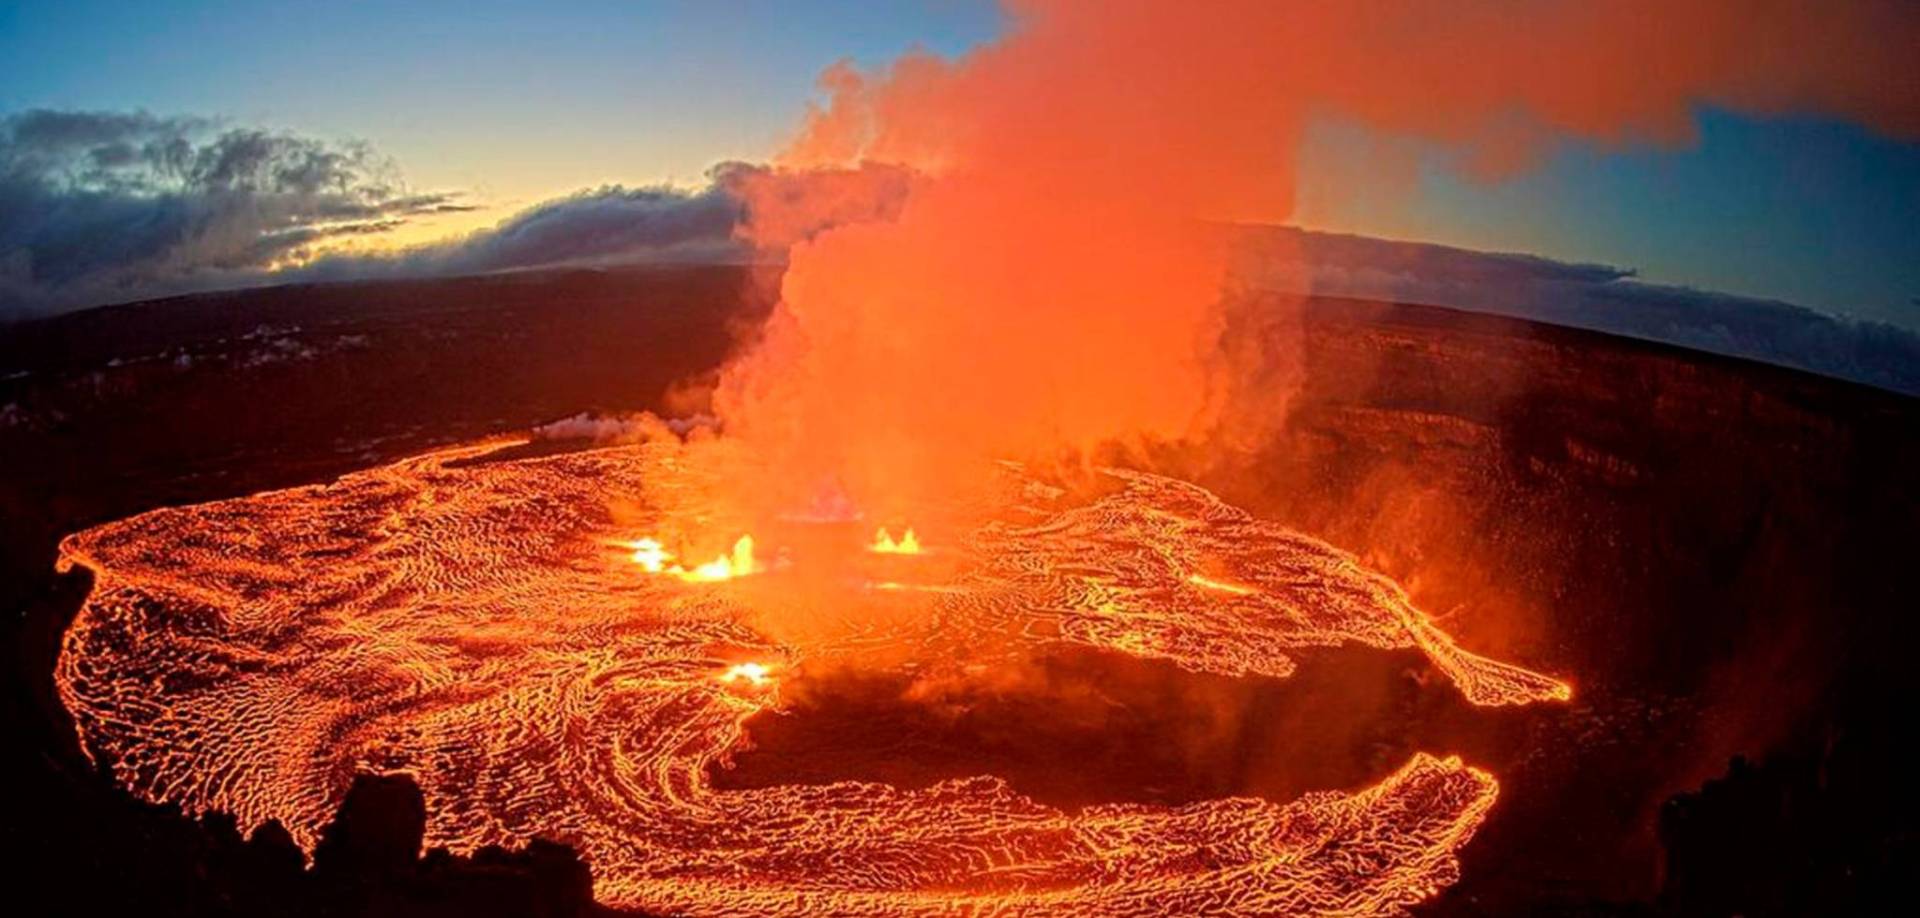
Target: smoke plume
{"type": "Point", "coordinates": [1050, 280]}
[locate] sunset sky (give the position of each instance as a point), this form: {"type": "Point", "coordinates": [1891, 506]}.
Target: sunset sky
{"type": "Point", "coordinates": [509, 104]}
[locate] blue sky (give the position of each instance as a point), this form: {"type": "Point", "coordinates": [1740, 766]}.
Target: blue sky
{"type": "Point", "coordinates": [518, 102]}
{"type": "Point", "coordinates": [1815, 212]}
{"type": "Point", "coordinates": [521, 99]}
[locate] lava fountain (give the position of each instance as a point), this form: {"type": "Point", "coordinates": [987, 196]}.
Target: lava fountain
{"type": "Point", "coordinates": [543, 668]}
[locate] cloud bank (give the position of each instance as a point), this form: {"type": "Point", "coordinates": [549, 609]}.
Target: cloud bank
{"type": "Point", "coordinates": [103, 207]}
{"type": "Point", "coordinates": [100, 206]}
{"type": "Point", "coordinates": [619, 225]}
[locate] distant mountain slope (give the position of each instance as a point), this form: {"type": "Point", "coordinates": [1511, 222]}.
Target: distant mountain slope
{"type": "Point", "coordinates": [1587, 296]}
{"type": "Point", "coordinates": [1597, 297]}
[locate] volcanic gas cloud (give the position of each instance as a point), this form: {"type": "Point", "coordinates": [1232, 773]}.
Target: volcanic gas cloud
{"type": "Point", "coordinates": [569, 645]}
{"type": "Point", "coordinates": [1049, 278]}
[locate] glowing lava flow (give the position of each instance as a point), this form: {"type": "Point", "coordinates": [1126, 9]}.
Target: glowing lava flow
{"type": "Point", "coordinates": [462, 621]}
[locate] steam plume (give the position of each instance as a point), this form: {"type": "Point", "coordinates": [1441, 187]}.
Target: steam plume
{"type": "Point", "coordinates": [1050, 280]}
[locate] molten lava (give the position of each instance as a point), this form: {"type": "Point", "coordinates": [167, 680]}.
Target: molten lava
{"type": "Point", "coordinates": [754, 674]}
{"type": "Point", "coordinates": [653, 557]}
{"type": "Point", "coordinates": [883, 543]}
{"type": "Point", "coordinates": [1201, 580]}
{"type": "Point", "coordinates": [460, 620]}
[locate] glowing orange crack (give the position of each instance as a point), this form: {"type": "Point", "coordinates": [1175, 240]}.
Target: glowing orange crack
{"type": "Point", "coordinates": [1221, 585]}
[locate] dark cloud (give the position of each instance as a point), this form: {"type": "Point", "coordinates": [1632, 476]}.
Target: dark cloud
{"type": "Point", "coordinates": [602, 226]}
{"type": "Point", "coordinates": [1597, 297]}
{"type": "Point", "coordinates": [99, 206]}
{"type": "Point", "coordinates": [618, 225]}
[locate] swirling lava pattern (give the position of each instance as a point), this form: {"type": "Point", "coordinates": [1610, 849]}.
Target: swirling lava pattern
{"type": "Point", "coordinates": [467, 622]}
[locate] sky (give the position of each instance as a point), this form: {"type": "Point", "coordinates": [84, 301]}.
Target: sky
{"type": "Point", "coordinates": [512, 104]}
{"type": "Point", "coordinates": [1815, 212]}
{"type": "Point", "coordinates": [514, 101]}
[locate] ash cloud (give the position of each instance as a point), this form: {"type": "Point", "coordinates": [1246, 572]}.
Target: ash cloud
{"type": "Point", "coordinates": [102, 206]}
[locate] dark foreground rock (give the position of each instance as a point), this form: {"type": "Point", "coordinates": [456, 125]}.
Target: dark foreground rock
{"type": "Point", "coordinates": [369, 862]}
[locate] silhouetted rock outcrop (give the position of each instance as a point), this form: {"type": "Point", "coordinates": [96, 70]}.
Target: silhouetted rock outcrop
{"type": "Point", "coordinates": [368, 862]}
{"type": "Point", "coordinates": [376, 835]}
{"type": "Point", "coordinates": [1819, 829]}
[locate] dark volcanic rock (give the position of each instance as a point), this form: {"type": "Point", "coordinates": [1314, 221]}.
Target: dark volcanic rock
{"type": "Point", "coordinates": [376, 835]}
{"type": "Point", "coordinates": [368, 863]}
